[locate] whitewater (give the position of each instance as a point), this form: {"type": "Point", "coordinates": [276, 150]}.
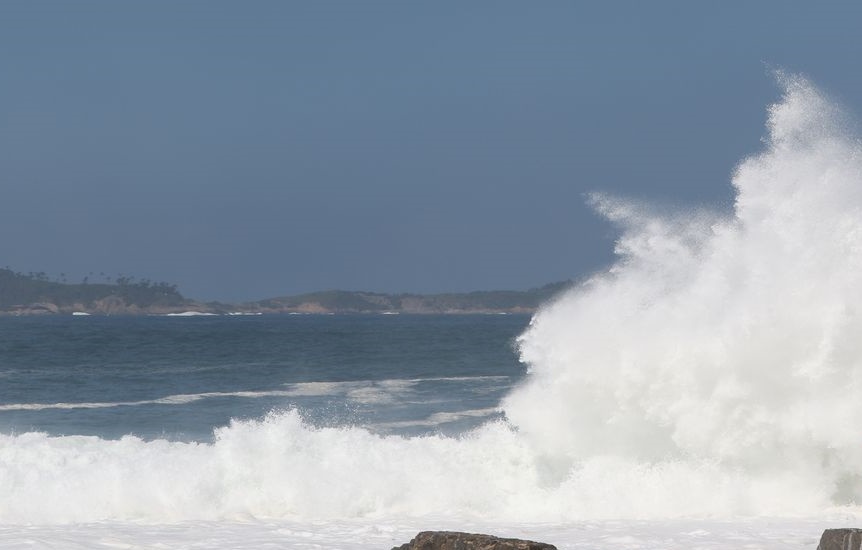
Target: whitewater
{"type": "Point", "coordinates": [703, 392]}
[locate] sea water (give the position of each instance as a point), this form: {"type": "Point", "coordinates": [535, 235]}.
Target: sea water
{"type": "Point", "coordinates": [703, 392]}
{"type": "Point", "coordinates": [179, 379]}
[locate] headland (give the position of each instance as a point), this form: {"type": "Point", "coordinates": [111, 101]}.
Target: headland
{"type": "Point", "coordinates": [35, 294]}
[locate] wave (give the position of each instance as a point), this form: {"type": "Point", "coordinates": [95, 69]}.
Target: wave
{"type": "Point", "coordinates": [281, 468]}
{"type": "Point", "coordinates": [714, 370]}
{"type": "Point", "coordinates": [360, 391]}
{"type": "Point", "coordinates": [729, 340]}
{"type": "Point", "coordinates": [441, 418]}
{"type": "Point", "coordinates": [178, 399]}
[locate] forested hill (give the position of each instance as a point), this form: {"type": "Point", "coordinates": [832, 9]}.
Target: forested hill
{"type": "Point", "coordinates": [487, 301]}
{"type": "Point", "coordinates": [34, 293]}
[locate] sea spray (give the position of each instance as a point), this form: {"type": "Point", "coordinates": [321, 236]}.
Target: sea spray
{"type": "Point", "coordinates": [732, 340]}
{"type": "Point", "coordinates": [714, 370]}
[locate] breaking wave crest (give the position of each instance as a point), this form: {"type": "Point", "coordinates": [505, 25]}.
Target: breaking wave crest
{"type": "Point", "coordinates": [729, 340]}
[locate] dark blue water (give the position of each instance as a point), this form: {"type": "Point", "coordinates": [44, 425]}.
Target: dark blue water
{"type": "Point", "coordinates": [178, 378]}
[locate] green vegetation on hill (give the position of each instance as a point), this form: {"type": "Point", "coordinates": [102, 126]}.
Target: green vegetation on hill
{"type": "Point", "coordinates": [34, 293]}
{"type": "Point", "coordinates": [342, 301]}
{"type": "Point", "coordinates": [19, 290]}
{"type": "Point", "coordinates": [334, 300]}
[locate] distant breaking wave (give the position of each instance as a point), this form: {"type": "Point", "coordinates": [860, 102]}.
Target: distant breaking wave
{"type": "Point", "coordinates": [363, 391]}
{"type": "Point", "coordinates": [178, 399]}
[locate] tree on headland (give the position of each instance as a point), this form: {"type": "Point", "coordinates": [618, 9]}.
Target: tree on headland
{"type": "Point", "coordinates": [20, 289]}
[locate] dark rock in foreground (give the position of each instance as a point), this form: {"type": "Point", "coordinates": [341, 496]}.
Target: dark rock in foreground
{"type": "Point", "coordinates": [450, 540]}
{"type": "Point", "coordinates": [841, 539]}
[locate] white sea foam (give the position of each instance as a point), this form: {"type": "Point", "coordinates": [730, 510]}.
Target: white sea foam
{"type": "Point", "coordinates": [347, 534]}
{"type": "Point", "coordinates": [714, 371]}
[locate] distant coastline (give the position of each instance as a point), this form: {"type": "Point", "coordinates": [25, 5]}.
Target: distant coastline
{"type": "Point", "coordinates": [34, 294]}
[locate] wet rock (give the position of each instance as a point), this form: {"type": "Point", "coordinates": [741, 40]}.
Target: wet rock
{"type": "Point", "coordinates": [841, 539]}
{"type": "Point", "coordinates": [450, 540]}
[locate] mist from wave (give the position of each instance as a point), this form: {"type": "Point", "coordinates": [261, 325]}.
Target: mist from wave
{"type": "Point", "coordinates": [728, 343]}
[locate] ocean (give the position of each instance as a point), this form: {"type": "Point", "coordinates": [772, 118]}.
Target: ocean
{"type": "Point", "coordinates": [180, 378]}
{"type": "Point", "coordinates": [702, 392]}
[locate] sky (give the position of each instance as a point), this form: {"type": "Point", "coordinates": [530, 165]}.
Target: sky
{"type": "Point", "coordinates": [245, 150]}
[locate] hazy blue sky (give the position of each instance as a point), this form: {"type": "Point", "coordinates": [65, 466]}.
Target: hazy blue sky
{"type": "Point", "coordinates": [251, 149]}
